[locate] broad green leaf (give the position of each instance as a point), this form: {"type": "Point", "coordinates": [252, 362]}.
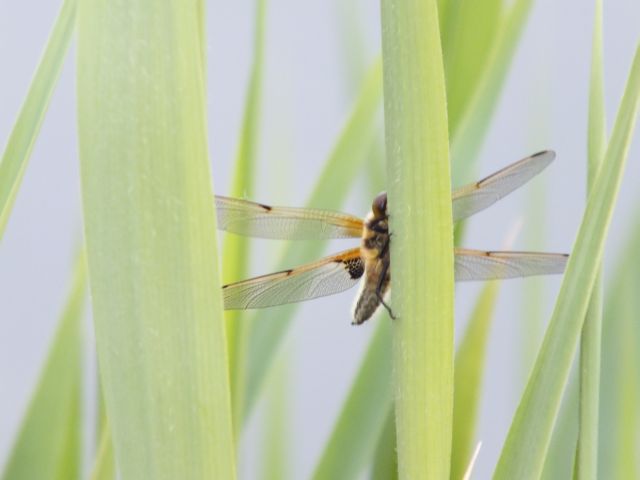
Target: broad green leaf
{"type": "Point", "coordinates": [48, 445]}
{"type": "Point", "coordinates": [528, 440]}
{"type": "Point", "coordinates": [471, 128]}
{"type": "Point", "coordinates": [591, 340]}
{"type": "Point", "coordinates": [469, 371]}
{"type": "Point", "coordinates": [151, 238]}
{"type": "Point", "coordinates": [236, 247]}
{"type": "Point", "coordinates": [369, 398]}
{"type": "Point", "coordinates": [349, 154]}
{"type": "Point", "coordinates": [25, 131]}
{"type": "Point", "coordinates": [419, 189]}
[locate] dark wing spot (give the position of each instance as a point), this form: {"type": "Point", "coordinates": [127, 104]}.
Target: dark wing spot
{"type": "Point", "coordinates": [543, 152]}
{"type": "Point", "coordinates": [355, 267]}
{"type": "Point", "coordinates": [266, 207]}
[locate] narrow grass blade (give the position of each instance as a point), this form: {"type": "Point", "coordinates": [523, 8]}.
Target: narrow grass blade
{"type": "Point", "coordinates": [470, 33]}
{"type": "Point", "coordinates": [25, 131]}
{"type": "Point", "coordinates": [590, 343]}
{"type": "Point", "coordinates": [469, 132]}
{"type": "Point", "coordinates": [347, 158]}
{"type": "Point", "coordinates": [151, 238]}
{"type": "Point", "coordinates": [469, 371]}
{"type": "Point", "coordinates": [104, 467]}
{"type": "Point", "coordinates": [385, 460]}
{"type": "Point", "coordinates": [236, 247]}
{"type": "Point", "coordinates": [526, 445]}
{"type": "Point", "coordinates": [369, 399]}
{"type": "Point", "coordinates": [49, 444]}
{"type": "Point", "coordinates": [419, 190]}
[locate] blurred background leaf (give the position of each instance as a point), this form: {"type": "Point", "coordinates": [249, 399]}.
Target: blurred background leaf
{"type": "Point", "coordinates": [27, 126]}
{"type": "Point", "coordinates": [49, 444]}
{"type": "Point", "coordinates": [236, 253]}
{"type": "Point", "coordinates": [586, 465]}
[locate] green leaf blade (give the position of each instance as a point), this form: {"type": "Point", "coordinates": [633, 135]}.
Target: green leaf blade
{"type": "Point", "coordinates": [151, 238]}
{"type": "Point", "coordinates": [419, 191]}
{"type": "Point", "coordinates": [236, 248]}
{"type": "Point", "coordinates": [618, 442]}
{"type": "Point", "coordinates": [591, 339]}
{"type": "Point", "coordinates": [25, 131]}
{"type": "Point", "coordinates": [48, 445]}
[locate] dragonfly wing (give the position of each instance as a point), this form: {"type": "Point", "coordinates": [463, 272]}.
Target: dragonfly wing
{"type": "Point", "coordinates": [477, 196]}
{"type": "Point", "coordinates": [480, 265]}
{"type": "Point", "coordinates": [284, 223]}
{"type": "Point", "coordinates": [325, 277]}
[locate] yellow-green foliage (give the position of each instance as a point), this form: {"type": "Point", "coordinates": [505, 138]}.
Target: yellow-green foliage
{"type": "Point", "coordinates": [179, 381]}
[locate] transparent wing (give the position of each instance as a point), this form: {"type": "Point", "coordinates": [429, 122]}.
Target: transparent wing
{"type": "Point", "coordinates": [284, 223]}
{"type": "Point", "coordinates": [480, 265]}
{"type": "Point", "coordinates": [325, 277]}
{"type": "Point", "coordinates": [477, 196]}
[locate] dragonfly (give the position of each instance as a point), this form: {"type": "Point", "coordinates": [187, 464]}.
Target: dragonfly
{"type": "Point", "coordinates": [370, 262]}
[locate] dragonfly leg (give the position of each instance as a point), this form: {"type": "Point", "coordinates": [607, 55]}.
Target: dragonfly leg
{"type": "Point", "coordinates": [385, 269]}
{"type": "Point", "coordinates": [382, 279]}
{"type": "Point", "coordinates": [384, 304]}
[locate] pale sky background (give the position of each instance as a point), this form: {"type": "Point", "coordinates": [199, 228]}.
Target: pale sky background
{"type": "Point", "coordinates": [306, 98]}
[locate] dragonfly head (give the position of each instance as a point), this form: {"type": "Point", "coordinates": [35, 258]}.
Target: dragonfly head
{"type": "Point", "coordinates": [379, 205]}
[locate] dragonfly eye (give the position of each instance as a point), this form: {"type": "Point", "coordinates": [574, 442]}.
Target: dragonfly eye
{"type": "Point", "coordinates": [379, 205]}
